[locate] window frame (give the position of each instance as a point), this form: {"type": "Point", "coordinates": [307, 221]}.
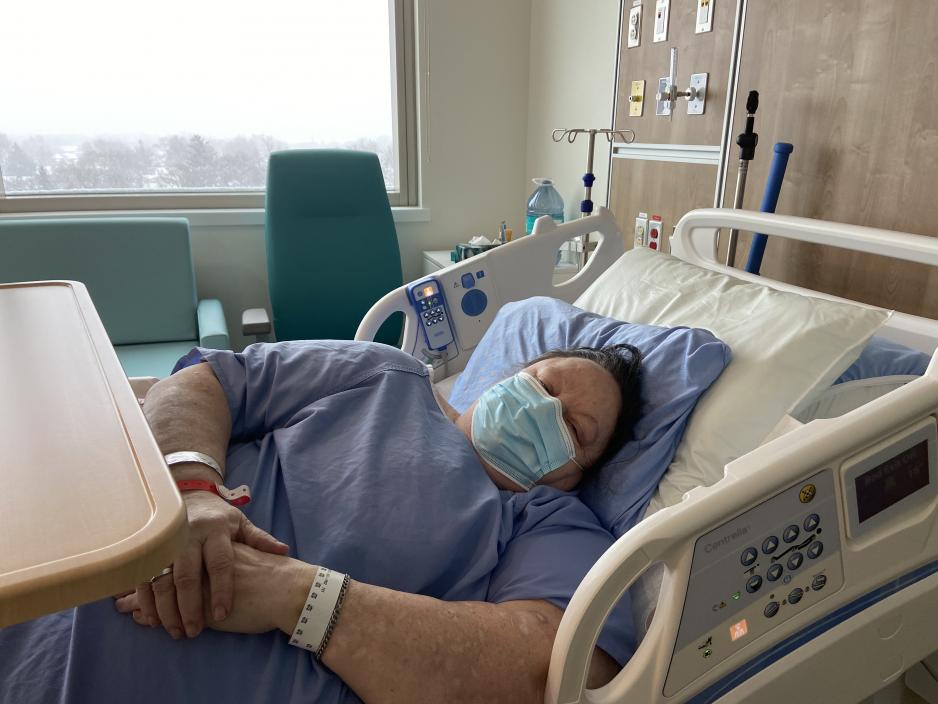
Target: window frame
{"type": "Point", "coordinates": [404, 124]}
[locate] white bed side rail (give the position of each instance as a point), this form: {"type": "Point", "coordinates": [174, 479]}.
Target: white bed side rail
{"type": "Point", "coordinates": [514, 271]}
{"type": "Point", "coordinates": [670, 535]}
{"type": "Point", "coordinates": [695, 241]}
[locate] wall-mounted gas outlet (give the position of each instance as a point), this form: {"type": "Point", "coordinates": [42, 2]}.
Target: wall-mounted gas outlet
{"type": "Point", "coordinates": [655, 238]}
{"type": "Point", "coordinates": [634, 37]}
{"type": "Point", "coordinates": [662, 10]}
{"type": "Point", "coordinates": [637, 99]}
{"type": "Point", "coordinates": [704, 16]}
{"type": "Point", "coordinates": [663, 97]}
{"type": "Point", "coordinates": [641, 229]}
{"type": "Point", "coordinates": [697, 94]}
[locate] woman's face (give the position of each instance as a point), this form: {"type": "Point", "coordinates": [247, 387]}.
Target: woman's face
{"type": "Point", "coordinates": [590, 399]}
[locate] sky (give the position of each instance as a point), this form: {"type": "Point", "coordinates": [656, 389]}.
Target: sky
{"type": "Point", "coordinates": [300, 70]}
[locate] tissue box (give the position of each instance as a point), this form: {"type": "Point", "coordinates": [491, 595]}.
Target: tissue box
{"type": "Point", "coordinates": [464, 251]}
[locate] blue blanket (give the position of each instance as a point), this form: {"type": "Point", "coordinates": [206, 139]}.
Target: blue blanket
{"type": "Point", "coordinates": [351, 463]}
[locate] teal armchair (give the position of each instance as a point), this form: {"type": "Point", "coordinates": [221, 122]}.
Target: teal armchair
{"type": "Point", "coordinates": [139, 274]}
{"type": "Point", "coordinates": [332, 249]}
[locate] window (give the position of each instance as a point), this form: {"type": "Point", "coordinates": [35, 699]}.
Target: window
{"type": "Point", "coordinates": [117, 105]}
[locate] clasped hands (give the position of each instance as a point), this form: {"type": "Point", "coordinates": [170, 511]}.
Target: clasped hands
{"type": "Point", "coordinates": [230, 576]}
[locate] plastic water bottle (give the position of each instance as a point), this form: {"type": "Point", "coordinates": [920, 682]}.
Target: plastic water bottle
{"type": "Point", "coordinates": [544, 201]}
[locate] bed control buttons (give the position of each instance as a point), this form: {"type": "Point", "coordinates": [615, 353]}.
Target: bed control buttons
{"type": "Point", "coordinates": [474, 302]}
{"type": "Point", "coordinates": [749, 556]}
{"type": "Point", "coordinates": [764, 568]}
{"type": "Point", "coordinates": [774, 572]}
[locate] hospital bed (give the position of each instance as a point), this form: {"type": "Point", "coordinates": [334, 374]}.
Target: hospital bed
{"type": "Point", "coordinates": [861, 488]}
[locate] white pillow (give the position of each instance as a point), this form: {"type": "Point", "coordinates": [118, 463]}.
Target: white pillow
{"type": "Point", "coordinates": [786, 347]}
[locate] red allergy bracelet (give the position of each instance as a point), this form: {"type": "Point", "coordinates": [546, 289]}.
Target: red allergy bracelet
{"type": "Point", "coordinates": [236, 497]}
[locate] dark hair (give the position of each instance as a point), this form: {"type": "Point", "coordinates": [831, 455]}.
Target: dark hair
{"type": "Point", "coordinates": [624, 363]}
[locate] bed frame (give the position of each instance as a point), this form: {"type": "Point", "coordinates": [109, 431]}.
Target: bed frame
{"type": "Point", "coordinates": [861, 611]}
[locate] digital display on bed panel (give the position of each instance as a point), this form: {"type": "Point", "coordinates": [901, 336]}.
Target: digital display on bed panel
{"type": "Point", "coordinates": [893, 480]}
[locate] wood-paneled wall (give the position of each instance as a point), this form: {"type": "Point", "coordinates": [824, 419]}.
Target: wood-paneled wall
{"type": "Point", "coordinates": [697, 53]}
{"type": "Point", "coordinates": [664, 188]}
{"type": "Point", "coordinates": [851, 83]}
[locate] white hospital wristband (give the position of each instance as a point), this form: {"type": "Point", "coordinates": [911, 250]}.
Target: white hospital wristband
{"type": "Point", "coordinates": [319, 613]}
{"type": "Point", "coordinates": [197, 457]}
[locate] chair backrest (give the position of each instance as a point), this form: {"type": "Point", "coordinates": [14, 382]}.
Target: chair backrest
{"type": "Point", "coordinates": [137, 270]}
{"type": "Point", "coordinates": [332, 249]}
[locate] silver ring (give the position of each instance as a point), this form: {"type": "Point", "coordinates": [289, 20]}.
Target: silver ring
{"type": "Point", "coordinates": [163, 573]}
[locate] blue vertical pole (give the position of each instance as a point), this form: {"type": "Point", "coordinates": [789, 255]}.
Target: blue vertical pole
{"type": "Point", "coordinates": [769, 202]}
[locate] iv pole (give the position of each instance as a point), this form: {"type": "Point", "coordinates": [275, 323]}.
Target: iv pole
{"type": "Point", "coordinates": [747, 142]}
{"type": "Point", "coordinates": [586, 205]}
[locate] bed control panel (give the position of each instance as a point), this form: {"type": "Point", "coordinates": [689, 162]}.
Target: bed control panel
{"type": "Point", "coordinates": [430, 304]}
{"type": "Point", "coordinates": [755, 572]}
{"type": "Point", "coordinates": [471, 301]}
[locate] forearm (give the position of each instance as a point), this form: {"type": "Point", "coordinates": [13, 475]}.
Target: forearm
{"type": "Point", "coordinates": [189, 411]}
{"type": "Point", "coordinates": [391, 646]}
{"type": "Point", "coordinates": [396, 647]}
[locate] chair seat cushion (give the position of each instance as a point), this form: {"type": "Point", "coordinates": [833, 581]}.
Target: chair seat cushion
{"type": "Point", "coordinates": [153, 359]}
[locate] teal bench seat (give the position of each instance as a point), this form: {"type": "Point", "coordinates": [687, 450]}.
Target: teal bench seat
{"type": "Point", "coordinates": [140, 276]}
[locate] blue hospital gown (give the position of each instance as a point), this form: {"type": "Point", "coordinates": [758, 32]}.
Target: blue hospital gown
{"type": "Point", "coordinates": [352, 463]}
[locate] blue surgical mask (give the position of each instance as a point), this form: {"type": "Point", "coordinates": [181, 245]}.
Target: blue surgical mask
{"type": "Point", "coordinates": [518, 428]}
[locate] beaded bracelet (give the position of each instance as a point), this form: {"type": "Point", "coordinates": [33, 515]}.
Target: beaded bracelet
{"type": "Point", "coordinates": [335, 617]}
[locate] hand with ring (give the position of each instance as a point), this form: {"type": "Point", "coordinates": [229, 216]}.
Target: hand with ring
{"type": "Point", "coordinates": [165, 571]}
{"type": "Point", "coordinates": [174, 598]}
{"type": "Point", "coordinates": [270, 591]}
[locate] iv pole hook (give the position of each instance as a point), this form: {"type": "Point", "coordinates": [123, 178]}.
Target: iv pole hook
{"type": "Point", "coordinates": [586, 205]}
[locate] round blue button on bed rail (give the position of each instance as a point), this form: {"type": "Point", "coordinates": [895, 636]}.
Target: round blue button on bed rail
{"type": "Point", "coordinates": [474, 302]}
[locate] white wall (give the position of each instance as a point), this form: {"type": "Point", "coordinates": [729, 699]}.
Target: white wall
{"type": "Point", "coordinates": [231, 265]}
{"type": "Point", "coordinates": [572, 84]}
{"type": "Point", "coordinates": [495, 77]}
{"type": "Point", "coordinates": [473, 66]}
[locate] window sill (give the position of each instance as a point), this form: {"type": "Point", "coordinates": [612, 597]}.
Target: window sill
{"type": "Point", "coordinates": [246, 217]}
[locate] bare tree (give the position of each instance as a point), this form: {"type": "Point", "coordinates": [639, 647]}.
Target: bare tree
{"type": "Point", "coordinates": [55, 163]}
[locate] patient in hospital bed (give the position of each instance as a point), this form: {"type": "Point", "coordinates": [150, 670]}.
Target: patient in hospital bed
{"type": "Point", "coordinates": [458, 531]}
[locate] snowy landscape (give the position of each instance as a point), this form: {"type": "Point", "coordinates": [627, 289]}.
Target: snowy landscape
{"type": "Point", "coordinates": [37, 164]}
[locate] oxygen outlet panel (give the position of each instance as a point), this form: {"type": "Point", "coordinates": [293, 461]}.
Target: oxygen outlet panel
{"type": "Point", "coordinates": [637, 99]}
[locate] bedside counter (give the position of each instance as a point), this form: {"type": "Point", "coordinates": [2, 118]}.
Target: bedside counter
{"type": "Point", "coordinates": [436, 259]}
